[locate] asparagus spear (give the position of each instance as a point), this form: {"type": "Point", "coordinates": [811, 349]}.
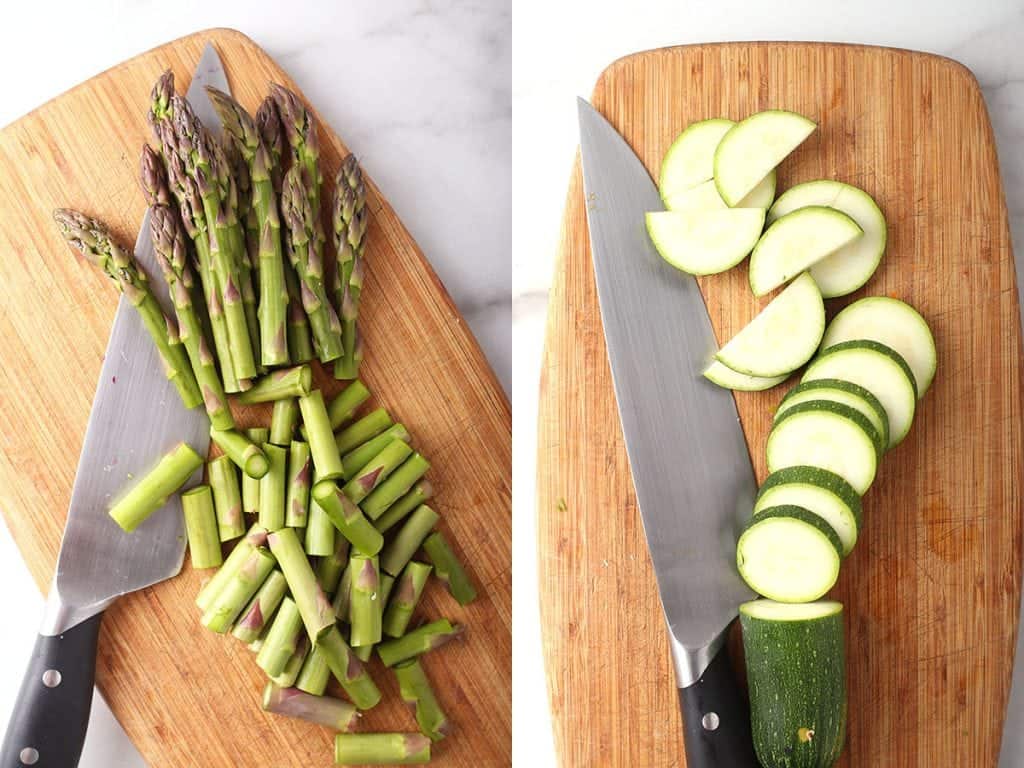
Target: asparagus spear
{"type": "Point", "coordinates": [300, 469]}
{"type": "Point", "coordinates": [320, 531]}
{"type": "Point", "coordinates": [366, 428]}
{"type": "Point", "coordinates": [201, 527]}
{"type": "Point", "coordinates": [419, 641]}
{"type": "Point", "coordinates": [155, 487]}
{"type": "Point", "coordinates": [293, 666]}
{"type": "Point", "coordinates": [406, 595]}
{"type": "Point", "coordinates": [268, 125]}
{"type": "Point", "coordinates": [251, 485]}
{"type": "Point", "coordinates": [277, 385]}
{"type": "Point", "coordinates": [342, 601]}
{"type": "Point", "coordinates": [330, 568]}
{"type": "Point", "coordinates": [348, 518]}
{"type": "Point", "coordinates": [272, 488]}
{"type": "Point", "coordinates": [246, 454]}
{"type": "Point", "coordinates": [381, 749]}
{"type": "Point", "coordinates": [244, 238]}
{"type": "Point", "coordinates": [448, 568]}
{"type": "Point", "coordinates": [300, 130]}
{"type": "Point", "coordinates": [94, 241]}
{"type": "Point", "coordinates": [348, 670]}
{"type": "Point", "coordinates": [227, 497]}
{"type": "Point", "coordinates": [363, 652]}
{"type": "Point", "coordinates": [328, 711]}
{"type": "Point", "coordinates": [395, 486]}
{"type": "Point", "coordinates": [359, 457]}
{"type": "Point", "coordinates": [421, 492]}
{"type": "Point", "coordinates": [314, 674]}
{"type": "Point", "coordinates": [283, 639]}
{"type": "Point", "coordinates": [254, 537]}
{"type": "Point", "coordinates": [416, 692]}
{"type": "Point", "coordinates": [238, 590]}
{"type": "Point", "coordinates": [401, 548]}
{"type": "Point", "coordinates": [377, 470]}
{"type": "Point", "coordinates": [313, 605]}
{"type": "Point", "coordinates": [349, 238]}
{"type": "Point", "coordinates": [326, 457]}
{"type": "Point", "coordinates": [365, 603]}
{"type": "Point", "coordinates": [343, 407]}
{"type": "Point", "coordinates": [257, 614]}
{"type": "Point", "coordinates": [282, 421]}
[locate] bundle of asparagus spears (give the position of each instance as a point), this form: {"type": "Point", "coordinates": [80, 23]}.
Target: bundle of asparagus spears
{"type": "Point", "coordinates": [323, 571]}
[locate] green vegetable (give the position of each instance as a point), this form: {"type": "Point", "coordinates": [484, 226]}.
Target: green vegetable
{"type": "Point", "coordinates": [272, 488]}
{"type": "Point", "coordinates": [227, 497]}
{"type": "Point", "coordinates": [300, 470]}
{"type": "Point", "coordinates": [403, 546]}
{"type": "Point", "coordinates": [405, 597]}
{"type": "Point", "coordinates": [201, 527]}
{"type": "Point", "coordinates": [239, 589]}
{"type": "Point", "coordinates": [278, 385]}
{"type": "Point", "coordinates": [366, 428]}
{"type": "Point", "coordinates": [326, 456]}
{"type": "Point", "coordinates": [381, 749]}
{"type": "Point", "coordinates": [282, 641]}
{"type": "Point", "coordinates": [348, 670]}
{"type": "Point", "coordinates": [416, 692]}
{"type": "Point", "coordinates": [348, 519]}
{"type": "Point", "coordinates": [448, 569]}
{"type": "Point", "coordinates": [336, 714]}
{"type": "Point", "coordinates": [359, 457]}
{"type": "Point", "coordinates": [418, 641]}
{"type": "Point", "coordinates": [256, 616]}
{"type": "Point", "coordinates": [313, 605]}
{"type": "Point", "coordinates": [349, 219]}
{"type": "Point", "coordinates": [254, 537]}
{"type": "Point", "coordinates": [251, 485]}
{"type": "Point", "coordinates": [397, 484]}
{"type": "Point", "coordinates": [156, 487]}
{"type": "Point", "coordinates": [343, 407]}
{"type": "Point", "coordinates": [376, 470]}
{"type": "Point", "coordinates": [844, 392]}
{"type": "Point", "coordinates": [282, 421]}
{"type": "Point", "coordinates": [365, 609]}
{"type": "Point", "coordinates": [246, 454]}
{"type": "Point", "coordinates": [421, 492]}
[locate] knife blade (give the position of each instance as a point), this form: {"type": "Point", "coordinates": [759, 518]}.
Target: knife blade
{"type": "Point", "coordinates": [691, 469]}
{"type": "Point", "coordinates": [137, 417]}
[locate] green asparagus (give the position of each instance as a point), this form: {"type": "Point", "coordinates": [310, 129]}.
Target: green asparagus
{"type": "Point", "coordinates": [449, 569]}
{"type": "Point", "coordinates": [326, 457]}
{"type": "Point", "coordinates": [397, 484]}
{"type": "Point", "coordinates": [366, 428]}
{"type": "Point", "coordinates": [333, 713]}
{"type": "Point", "coordinates": [381, 749]}
{"type": "Point", "coordinates": [282, 640]}
{"type": "Point", "coordinates": [405, 597]}
{"type": "Point", "coordinates": [272, 488]}
{"type": "Point", "coordinates": [155, 487]}
{"type": "Point", "coordinates": [348, 670]}
{"type": "Point", "coordinates": [418, 641]}
{"type": "Point", "coordinates": [330, 568]}
{"type": "Point", "coordinates": [359, 457]}
{"type": "Point", "coordinates": [421, 492]}
{"type": "Point", "coordinates": [246, 454]}
{"type": "Point", "coordinates": [282, 421]}
{"type": "Point", "coordinates": [254, 537]}
{"type": "Point", "coordinates": [417, 693]}
{"type": "Point", "coordinates": [201, 527]}
{"type": "Point", "coordinates": [343, 407]}
{"type": "Point", "coordinates": [365, 601]}
{"type": "Point", "coordinates": [314, 674]}
{"type": "Point", "coordinates": [251, 485]}
{"type": "Point", "coordinates": [236, 593]}
{"type": "Point", "coordinates": [287, 382]}
{"type": "Point", "coordinates": [293, 666]}
{"type": "Point", "coordinates": [403, 546]}
{"type": "Point", "coordinates": [349, 221]}
{"type": "Point", "coordinates": [376, 470]}
{"type": "Point", "coordinates": [261, 608]}
{"type": "Point", "coordinates": [313, 605]}
{"type": "Point", "coordinates": [342, 601]}
{"type": "Point", "coordinates": [227, 497]}
{"type": "Point", "coordinates": [348, 519]}
{"type": "Point", "coordinates": [300, 470]}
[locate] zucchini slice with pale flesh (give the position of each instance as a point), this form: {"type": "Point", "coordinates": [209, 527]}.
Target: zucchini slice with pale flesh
{"type": "Point", "coordinates": [783, 336]}
{"type": "Point", "coordinates": [726, 377]}
{"type": "Point", "coordinates": [796, 242]}
{"type": "Point", "coordinates": [828, 435]}
{"type": "Point", "coordinates": [789, 554]}
{"type": "Point", "coordinates": [817, 490]}
{"type": "Point", "coordinates": [880, 370]}
{"type": "Point", "coordinates": [691, 158]}
{"type": "Point", "coordinates": [845, 392]}
{"type": "Point", "coordinates": [705, 197]}
{"type": "Point", "coordinates": [851, 266]}
{"type": "Point", "coordinates": [752, 148]}
{"type": "Point", "coordinates": [705, 242]}
{"type": "Point", "coordinates": [891, 322]}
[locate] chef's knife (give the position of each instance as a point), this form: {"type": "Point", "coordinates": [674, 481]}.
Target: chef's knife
{"type": "Point", "coordinates": [136, 418]}
{"type": "Point", "coordinates": [691, 470]}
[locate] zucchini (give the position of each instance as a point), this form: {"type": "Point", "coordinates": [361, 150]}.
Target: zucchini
{"type": "Point", "coordinates": [705, 197]}
{"type": "Point", "coordinates": [726, 377]}
{"type": "Point", "coordinates": [852, 266]}
{"type": "Point", "coordinates": [783, 336]}
{"type": "Point", "coordinates": [891, 322]}
{"type": "Point", "coordinates": [817, 490]}
{"type": "Point", "coordinates": [880, 370]}
{"type": "Point", "coordinates": [828, 435]}
{"type": "Point", "coordinates": [705, 242]}
{"type": "Point", "coordinates": [789, 554]}
{"type": "Point", "coordinates": [752, 148]}
{"type": "Point", "coordinates": [796, 673]}
{"type": "Point", "coordinates": [796, 242]}
{"type": "Point", "coordinates": [845, 392]}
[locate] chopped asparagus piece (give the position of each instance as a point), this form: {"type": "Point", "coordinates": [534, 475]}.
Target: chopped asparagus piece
{"type": "Point", "coordinates": [254, 537]}
{"type": "Point", "coordinates": [282, 421]}
{"type": "Point", "coordinates": [261, 608]}
{"type": "Point", "coordinates": [448, 568]}
{"type": "Point", "coordinates": [277, 385]}
{"type": "Point", "coordinates": [421, 492]}
{"type": "Point", "coordinates": [395, 486]}
{"type": "Point", "coordinates": [155, 487]}
{"type": "Point", "coordinates": [246, 454]}
{"type": "Point", "coordinates": [381, 749]}
{"type": "Point", "coordinates": [227, 497]}
{"type": "Point", "coordinates": [405, 597]}
{"type": "Point", "coordinates": [328, 711]}
{"type": "Point", "coordinates": [239, 589]}
{"type": "Point", "coordinates": [404, 545]}
{"type": "Point", "coordinates": [418, 641]}
{"type": "Point", "coordinates": [366, 428]}
{"type": "Point", "coordinates": [343, 407]}
{"type": "Point", "coordinates": [313, 605]}
{"type": "Point", "coordinates": [201, 527]}
{"type": "Point", "coordinates": [272, 488]}
{"type": "Point", "coordinates": [417, 693]}
{"type": "Point", "coordinates": [348, 518]}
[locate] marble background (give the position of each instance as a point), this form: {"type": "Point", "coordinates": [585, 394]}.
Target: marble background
{"type": "Point", "coordinates": [561, 47]}
{"type": "Point", "coordinates": [420, 91]}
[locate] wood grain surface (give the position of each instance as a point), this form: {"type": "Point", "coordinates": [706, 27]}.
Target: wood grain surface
{"type": "Point", "coordinates": [185, 696]}
{"type": "Point", "coordinates": [932, 589]}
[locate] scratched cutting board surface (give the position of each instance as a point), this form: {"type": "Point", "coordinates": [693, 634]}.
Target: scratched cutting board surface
{"type": "Point", "coordinates": [932, 589]}
{"type": "Point", "coordinates": [186, 696]}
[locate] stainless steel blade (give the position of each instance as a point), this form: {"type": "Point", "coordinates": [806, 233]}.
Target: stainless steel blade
{"type": "Point", "coordinates": [209, 71]}
{"type": "Point", "coordinates": [691, 469]}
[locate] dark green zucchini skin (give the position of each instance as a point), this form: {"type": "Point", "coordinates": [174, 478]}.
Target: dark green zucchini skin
{"type": "Point", "coordinates": [796, 672]}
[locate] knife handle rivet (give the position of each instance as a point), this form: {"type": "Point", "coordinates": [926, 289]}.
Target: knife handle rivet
{"type": "Point", "coordinates": [51, 678]}
{"type": "Point", "coordinates": [710, 721]}
{"type": "Point", "coordinates": [29, 756]}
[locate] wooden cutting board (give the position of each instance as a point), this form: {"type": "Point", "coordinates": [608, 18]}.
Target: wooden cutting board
{"type": "Point", "coordinates": [932, 589]}
{"type": "Point", "coordinates": [185, 696]}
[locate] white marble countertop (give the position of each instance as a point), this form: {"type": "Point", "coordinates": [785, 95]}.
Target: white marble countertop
{"type": "Point", "coordinates": [560, 50]}
{"type": "Point", "coordinates": [420, 91]}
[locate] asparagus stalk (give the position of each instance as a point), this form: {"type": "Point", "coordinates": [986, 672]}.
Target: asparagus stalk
{"type": "Point", "coordinates": [283, 639]}
{"type": "Point", "coordinates": [330, 568]}
{"type": "Point", "coordinates": [320, 531]}
{"type": "Point", "coordinates": [272, 488]}
{"type": "Point", "coordinates": [243, 240]}
{"type": "Point", "coordinates": [314, 674]}
{"type": "Point", "coordinates": [94, 241]}
{"type": "Point", "coordinates": [326, 457]}
{"type": "Point", "coordinates": [405, 597]}
{"type": "Point", "coordinates": [300, 130]}
{"type": "Point", "coordinates": [155, 487]}
{"type": "Point", "coordinates": [348, 519]}
{"type": "Point", "coordinates": [313, 605]}
{"type": "Point", "coordinates": [448, 568]}
{"type": "Point", "coordinates": [254, 537]}
{"type": "Point", "coordinates": [349, 238]}
{"type": "Point", "coordinates": [418, 641]}
{"type": "Point", "coordinates": [251, 485]}
{"type": "Point", "coordinates": [227, 498]}
{"type": "Point", "coordinates": [377, 470]}
{"type": "Point", "coordinates": [395, 486]}
{"type": "Point", "coordinates": [232, 599]}
{"type": "Point", "coordinates": [343, 407]}
{"type": "Point", "coordinates": [328, 711]}
{"type": "Point", "coordinates": [381, 749]}
{"type": "Point", "coordinates": [300, 469]}
{"type": "Point", "coordinates": [268, 125]}
{"type": "Point", "coordinates": [366, 428]}
{"type": "Point", "coordinates": [201, 527]}
{"type": "Point", "coordinates": [363, 652]}
{"type": "Point", "coordinates": [416, 692]}
{"type": "Point", "coordinates": [359, 457]}
{"type": "Point", "coordinates": [282, 421]}
{"type": "Point", "coordinates": [277, 385]}
{"type": "Point", "coordinates": [421, 492]}
{"type": "Point", "coordinates": [404, 545]}
{"type": "Point", "coordinates": [241, 450]}
{"type": "Point", "coordinates": [257, 614]}
{"type": "Point", "coordinates": [342, 602]}
{"type": "Point", "coordinates": [348, 670]}
{"type": "Point", "coordinates": [256, 645]}
{"type": "Point", "coordinates": [293, 666]}
{"type": "Point", "coordinates": [365, 603]}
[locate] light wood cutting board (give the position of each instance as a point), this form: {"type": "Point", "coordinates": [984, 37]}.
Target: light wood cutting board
{"type": "Point", "coordinates": [188, 697]}
{"type": "Point", "coordinates": [932, 589]}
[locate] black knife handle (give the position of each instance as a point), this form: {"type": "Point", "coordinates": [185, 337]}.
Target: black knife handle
{"type": "Point", "coordinates": [51, 713]}
{"type": "Point", "coordinates": [716, 719]}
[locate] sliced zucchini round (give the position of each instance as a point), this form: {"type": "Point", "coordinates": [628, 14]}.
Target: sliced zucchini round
{"type": "Point", "coordinates": [783, 336]}
{"type": "Point", "coordinates": [891, 322]}
{"type": "Point", "coordinates": [817, 490]}
{"type": "Point", "coordinates": [797, 241]}
{"type": "Point", "coordinates": [752, 148]}
{"type": "Point", "coordinates": [726, 377]}
{"type": "Point", "coordinates": [789, 554]}
{"type": "Point", "coordinates": [705, 242]}
{"type": "Point", "coordinates": [705, 197]}
{"type": "Point", "coordinates": [845, 392]}
{"type": "Point", "coordinates": [828, 435]}
{"type": "Point", "coordinates": [851, 266]}
{"type": "Point", "coordinates": [691, 158]}
{"type": "Point", "coordinates": [880, 370]}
